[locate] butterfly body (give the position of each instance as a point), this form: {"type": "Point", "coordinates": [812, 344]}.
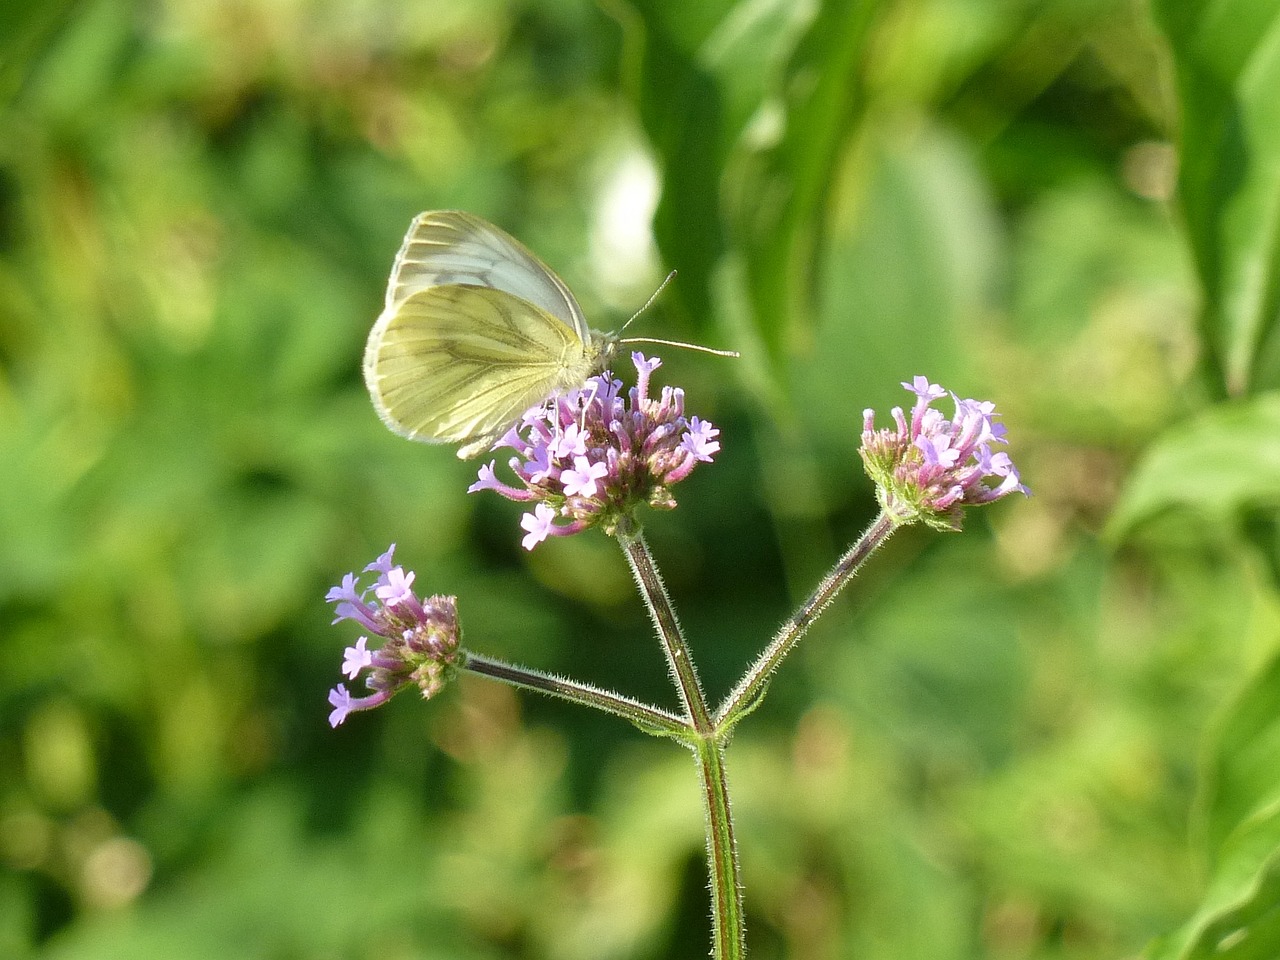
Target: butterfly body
{"type": "Point", "coordinates": [475, 331]}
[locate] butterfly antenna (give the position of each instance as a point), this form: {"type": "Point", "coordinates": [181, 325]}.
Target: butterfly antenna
{"type": "Point", "coordinates": [669, 343]}
{"type": "Point", "coordinates": [681, 343]}
{"type": "Point", "coordinates": [648, 303]}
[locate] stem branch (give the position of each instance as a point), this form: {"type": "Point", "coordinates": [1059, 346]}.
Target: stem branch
{"type": "Point", "coordinates": [653, 720]}
{"type": "Point", "coordinates": [746, 696]}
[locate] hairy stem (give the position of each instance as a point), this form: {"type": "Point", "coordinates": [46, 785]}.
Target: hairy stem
{"type": "Point", "coordinates": [728, 934]}
{"type": "Point", "coordinates": [663, 614]}
{"type": "Point", "coordinates": [746, 696]}
{"type": "Point", "coordinates": [653, 720]}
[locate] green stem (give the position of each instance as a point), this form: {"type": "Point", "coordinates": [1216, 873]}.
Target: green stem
{"type": "Point", "coordinates": [663, 614]}
{"type": "Point", "coordinates": [746, 696]}
{"type": "Point", "coordinates": [728, 934]}
{"type": "Point", "coordinates": [652, 720]}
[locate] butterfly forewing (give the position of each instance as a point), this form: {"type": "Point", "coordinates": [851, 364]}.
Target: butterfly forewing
{"type": "Point", "coordinates": [448, 247]}
{"type": "Point", "coordinates": [451, 364]}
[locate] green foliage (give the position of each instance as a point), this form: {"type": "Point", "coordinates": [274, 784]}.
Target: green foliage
{"type": "Point", "coordinates": [1241, 827]}
{"type": "Point", "coordinates": [1028, 740]}
{"type": "Point", "coordinates": [1227, 66]}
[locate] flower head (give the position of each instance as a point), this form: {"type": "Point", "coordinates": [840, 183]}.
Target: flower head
{"type": "Point", "coordinates": [421, 638]}
{"type": "Point", "coordinates": [930, 468]}
{"type": "Point", "coordinates": [593, 455]}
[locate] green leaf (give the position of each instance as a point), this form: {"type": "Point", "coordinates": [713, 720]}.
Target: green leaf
{"type": "Point", "coordinates": [28, 26]}
{"type": "Point", "coordinates": [778, 191]}
{"type": "Point", "coordinates": [747, 106]}
{"type": "Point", "coordinates": [1239, 917]}
{"type": "Point", "coordinates": [1242, 775]}
{"type": "Point", "coordinates": [683, 114]}
{"type": "Point", "coordinates": [1216, 465]}
{"type": "Point", "coordinates": [1227, 62]}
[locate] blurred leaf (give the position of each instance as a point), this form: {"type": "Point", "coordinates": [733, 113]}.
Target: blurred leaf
{"type": "Point", "coordinates": [1227, 61]}
{"type": "Point", "coordinates": [778, 183]}
{"type": "Point", "coordinates": [647, 827]}
{"type": "Point", "coordinates": [923, 204]}
{"type": "Point", "coordinates": [1217, 465]}
{"type": "Point", "coordinates": [945, 686]}
{"type": "Point", "coordinates": [272, 891]}
{"type": "Point", "coordinates": [811, 847]}
{"type": "Point", "coordinates": [1242, 769]}
{"type": "Point", "coordinates": [28, 25]}
{"type": "Point", "coordinates": [683, 114]}
{"type": "Point", "coordinates": [1087, 244]}
{"type": "Point", "coordinates": [747, 106]}
{"type": "Point", "coordinates": [1238, 918]}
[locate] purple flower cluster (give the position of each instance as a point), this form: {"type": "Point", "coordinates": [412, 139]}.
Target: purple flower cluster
{"type": "Point", "coordinates": [421, 637]}
{"type": "Point", "coordinates": [931, 468]}
{"type": "Point", "coordinates": [591, 456]}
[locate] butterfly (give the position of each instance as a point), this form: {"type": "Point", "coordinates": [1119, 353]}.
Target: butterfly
{"type": "Point", "coordinates": [475, 331]}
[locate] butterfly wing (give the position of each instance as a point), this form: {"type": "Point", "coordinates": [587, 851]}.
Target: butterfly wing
{"type": "Point", "coordinates": [446, 247]}
{"type": "Point", "coordinates": [460, 364]}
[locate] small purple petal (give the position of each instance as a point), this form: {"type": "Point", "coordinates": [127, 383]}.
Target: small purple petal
{"type": "Point", "coordinates": [383, 563]}
{"type": "Point", "coordinates": [359, 612]}
{"type": "Point", "coordinates": [356, 658]}
{"type": "Point", "coordinates": [581, 480]}
{"type": "Point", "coordinates": [572, 442]}
{"type": "Point", "coordinates": [346, 591]}
{"type": "Point", "coordinates": [1012, 483]}
{"type": "Point", "coordinates": [936, 450]}
{"type": "Point", "coordinates": [343, 703]}
{"type": "Point", "coordinates": [511, 439]}
{"type": "Point", "coordinates": [340, 700]}
{"type": "Point", "coordinates": [350, 604]}
{"type": "Point", "coordinates": [537, 525]}
{"type": "Point", "coordinates": [926, 391]}
{"type": "Point", "coordinates": [644, 369]}
{"type": "Point", "coordinates": [539, 466]}
{"type": "Point", "coordinates": [699, 440]}
{"type": "Point", "coordinates": [397, 588]}
{"type": "Point", "coordinates": [994, 464]}
{"type": "Point", "coordinates": [487, 479]}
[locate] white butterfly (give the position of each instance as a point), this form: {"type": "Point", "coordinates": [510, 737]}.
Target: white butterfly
{"type": "Point", "coordinates": [475, 331]}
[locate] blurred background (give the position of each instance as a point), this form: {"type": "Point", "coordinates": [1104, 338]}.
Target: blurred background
{"type": "Point", "coordinates": [1050, 736]}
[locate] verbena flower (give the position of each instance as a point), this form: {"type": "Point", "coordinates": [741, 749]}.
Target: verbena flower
{"type": "Point", "coordinates": [421, 638]}
{"type": "Point", "coordinates": [593, 455]}
{"type": "Point", "coordinates": [931, 468]}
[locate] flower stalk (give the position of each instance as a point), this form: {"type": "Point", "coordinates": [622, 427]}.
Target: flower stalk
{"type": "Point", "coordinates": [654, 591]}
{"type": "Point", "coordinates": [749, 692]}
